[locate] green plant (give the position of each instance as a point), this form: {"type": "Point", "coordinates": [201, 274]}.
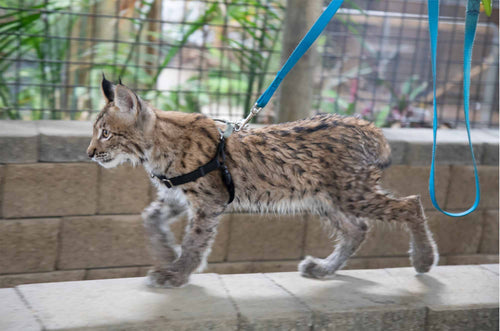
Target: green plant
{"type": "Point", "coordinates": [22, 35]}
{"type": "Point", "coordinates": [238, 71]}
{"type": "Point", "coordinates": [29, 50]}
{"type": "Point", "coordinates": [242, 72]}
{"type": "Point", "coordinates": [401, 108]}
{"type": "Point", "coordinates": [487, 5]}
{"type": "Point", "coordinates": [331, 102]}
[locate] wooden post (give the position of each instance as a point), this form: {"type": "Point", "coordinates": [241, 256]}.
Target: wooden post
{"type": "Point", "coordinates": [295, 99]}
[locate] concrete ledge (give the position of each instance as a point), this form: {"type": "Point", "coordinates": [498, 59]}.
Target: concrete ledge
{"type": "Point", "coordinates": [66, 141]}
{"type": "Point", "coordinates": [18, 142]}
{"type": "Point", "coordinates": [452, 298]}
{"type": "Point", "coordinates": [452, 146]}
{"type": "Point", "coordinates": [245, 267]}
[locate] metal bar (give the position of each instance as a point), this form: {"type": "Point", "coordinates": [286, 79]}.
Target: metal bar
{"type": "Point", "coordinates": [144, 66]}
{"type": "Point", "coordinates": [115, 40]}
{"type": "Point", "coordinates": [61, 12]}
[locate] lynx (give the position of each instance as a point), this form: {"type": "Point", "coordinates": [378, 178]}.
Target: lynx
{"type": "Point", "coordinates": [326, 165]}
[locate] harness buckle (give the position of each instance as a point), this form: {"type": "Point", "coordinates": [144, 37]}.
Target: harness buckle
{"type": "Point", "coordinates": [167, 183]}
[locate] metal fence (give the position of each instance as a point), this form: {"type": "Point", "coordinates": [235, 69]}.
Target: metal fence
{"type": "Point", "coordinates": [376, 62]}
{"type": "Point", "coordinates": [217, 56]}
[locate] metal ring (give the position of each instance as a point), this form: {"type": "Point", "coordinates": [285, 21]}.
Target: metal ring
{"type": "Point", "coordinates": [168, 183]}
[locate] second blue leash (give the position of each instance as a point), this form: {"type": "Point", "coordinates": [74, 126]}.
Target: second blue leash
{"type": "Point", "coordinates": [470, 32]}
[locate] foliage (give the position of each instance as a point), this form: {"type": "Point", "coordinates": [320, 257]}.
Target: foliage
{"type": "Point", "coordinates": [401, 109]}
{"type": "Point", "coordinates": [41, 77]}
{"type": "Point", "coordinates": [22, 34]}
{"type": "Point", "coordinates": [244, 72]}
{"type": "Point", "coordinates": [336, 103]}
{"type": "Point", "coordinates": [37, 73]}
{"type": "Point", "coordinates": [487, 5]}
{"type": "Point", "coordinates": [241, 65]}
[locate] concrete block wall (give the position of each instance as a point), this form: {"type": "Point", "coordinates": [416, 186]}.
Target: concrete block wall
{"type": "Point", "coordinates": [64, 218]}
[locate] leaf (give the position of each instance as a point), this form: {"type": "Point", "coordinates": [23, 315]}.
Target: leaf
{"type": "Point", "coordinates": [330, 94]}
{"type": "Point", "coordinates": [342, 103]}
{"type": "Point", "coordinates": [381, 116]}
{"type": "Point", "coordinates": [405, 87]}
{"type": "Point", "coordinates": [419, 89]}
{"type": "Point", "coordinates": [350, 108]}
{"type": "Point", "coordinates": [487, 7]}
{"type": "Point", "coordinates": [402, 103]}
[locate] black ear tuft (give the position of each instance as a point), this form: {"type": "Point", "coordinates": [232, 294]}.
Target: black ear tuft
{"type": "Point", "coordinates": [120, 81]}
{"type": "Point", "coordinates": [107, 89]}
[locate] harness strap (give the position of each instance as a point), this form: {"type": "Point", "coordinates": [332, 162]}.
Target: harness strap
{"type": "Point", "coordinates": [470, 32]}
{"type": "Point", "coordinates": [216, 163]}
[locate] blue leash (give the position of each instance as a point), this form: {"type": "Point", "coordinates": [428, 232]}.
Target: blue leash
{"type": "Point", "coordinates": [470, 32]}
{"type": "Point", "coordinates": [297, 53]}
{"type": "Point", "coordinates": [301, 48]}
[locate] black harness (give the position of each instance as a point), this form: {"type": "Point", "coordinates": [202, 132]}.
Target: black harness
{"type": "Point", "coordinates": [216, 163]}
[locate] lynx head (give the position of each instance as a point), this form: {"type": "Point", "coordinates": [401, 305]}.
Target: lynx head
{"type": "Point", "coordinates": [119, 130]}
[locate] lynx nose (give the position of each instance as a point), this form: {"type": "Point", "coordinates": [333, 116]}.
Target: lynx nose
{"type": "Point", "coordinates": [91, 152]}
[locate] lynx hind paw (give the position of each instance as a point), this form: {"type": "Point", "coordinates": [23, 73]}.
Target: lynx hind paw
{"type": "Point", "coordinates": [425, 259]}
{"type": "Point", "coordinates": [312, 267]}
{"type": "Point", "coordinates": [163, 278]}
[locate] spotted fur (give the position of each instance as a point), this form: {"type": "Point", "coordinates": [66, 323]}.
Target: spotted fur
{"type": "Point", "coordinates": [326, 165]}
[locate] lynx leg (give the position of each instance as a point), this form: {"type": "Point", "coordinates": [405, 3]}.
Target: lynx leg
{"type": "Point", "coordinates": [196, 244]}
{"type": "Point", "coordinates": [157, 219]}
{"type": "Point", "coordinates": [423, 249]}
{"type": "Point", "coordinates": [381, 206]}
{"type": "Point", "coordinates": [352, 233]}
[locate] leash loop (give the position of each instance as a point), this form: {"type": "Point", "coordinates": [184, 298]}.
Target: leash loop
{"type": "Point", "coordinates": [471, 19]}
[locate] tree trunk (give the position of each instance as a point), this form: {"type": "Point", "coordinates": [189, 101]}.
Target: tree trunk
{"type": "Point", "coordinates": [295, 100]}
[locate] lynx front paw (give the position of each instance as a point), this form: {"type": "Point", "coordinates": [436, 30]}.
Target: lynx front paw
{"type": "Point", "coordinates": [312, 267]}
{"type": "Point", "coordinates": [165, 278]}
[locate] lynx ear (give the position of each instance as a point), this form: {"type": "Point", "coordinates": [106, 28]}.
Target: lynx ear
{"type": "Point", "coordinates": [107, 89]}
{"type": "Point", "coordinates": [126, 100]}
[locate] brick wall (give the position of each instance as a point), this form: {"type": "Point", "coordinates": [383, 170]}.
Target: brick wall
{"type": "Point", "coordinates": [63, 218]}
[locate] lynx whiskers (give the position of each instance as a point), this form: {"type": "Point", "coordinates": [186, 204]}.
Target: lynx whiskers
{"type": "Point", "coordinates": [326, 165]}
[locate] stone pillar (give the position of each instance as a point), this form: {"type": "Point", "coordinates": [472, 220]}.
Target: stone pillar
{"type": "Point", "coordinates": [295, 99]}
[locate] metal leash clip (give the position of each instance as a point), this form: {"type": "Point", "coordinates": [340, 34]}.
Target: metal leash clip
{"type": "Point", "coordinates": [242, 123]}
{"type": "Point", "coordinates": [228, 130]}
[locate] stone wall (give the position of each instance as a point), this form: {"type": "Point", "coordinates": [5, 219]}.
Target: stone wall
{"type": "Point", "coordinates": [64, 218]}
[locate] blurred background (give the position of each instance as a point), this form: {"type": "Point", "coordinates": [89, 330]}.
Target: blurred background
{"type": "Point", "coordinates": [216, 57]}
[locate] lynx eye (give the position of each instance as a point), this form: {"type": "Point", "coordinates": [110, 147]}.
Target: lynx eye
{"type": "Point", "coordinates": [105, 133]}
